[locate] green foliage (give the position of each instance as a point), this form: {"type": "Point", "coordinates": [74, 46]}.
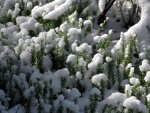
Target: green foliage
{"type": "Point", "coordinates": [131, 49]}
{"type": "Point", "coordinates": [94, 102]}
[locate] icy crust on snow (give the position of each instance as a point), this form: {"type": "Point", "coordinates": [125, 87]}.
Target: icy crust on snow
{"type": "Point", "coordinates": [52, 10]}
{"type": "Point", "coordinates": [141, 29]}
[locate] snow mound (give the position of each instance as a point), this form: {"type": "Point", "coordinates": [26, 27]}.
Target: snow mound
{"type": "Point", "coordinates": [141, 29]}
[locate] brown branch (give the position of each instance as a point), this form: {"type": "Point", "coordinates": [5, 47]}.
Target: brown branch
{"type": "Point", "coordinates": [102, 16]}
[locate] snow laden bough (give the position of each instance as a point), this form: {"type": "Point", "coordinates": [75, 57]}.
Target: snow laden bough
{"type": "Point", "coordinates": [52, 10]}
{"type": "Point", "coordinates": [141, 29]}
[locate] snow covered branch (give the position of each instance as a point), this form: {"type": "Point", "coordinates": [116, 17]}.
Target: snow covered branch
{"type": "Point", "coordinates": [141, 29]}
{"type": "Point", "coordinates": [104, 7]}
{"type": "Point", "coordinates": [52, 10]}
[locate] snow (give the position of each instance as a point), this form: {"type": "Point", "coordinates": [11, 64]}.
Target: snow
{"type": "Point", "coordinates": [2, 95]}
{"type": "Point", "coordinates": [62, 73]}
{"type": "Point", "coordinates": [72, 32]}
{"type": "Point", "coordinates": [104, 103]}
{"type": "Point", "coordinates": [64, 26]}
{"type": "Point", "coordinates": [29, 5]}
{"type": "Point", "coordinates": [147, 77]}
{"type": "Point", "coordinates": [58, 11]}
{"type": "Point", "coordinates": [96, 60]}
{"type": "Point", "coordinates": [61, 43]}
{"type": "Point", "coordinates": [84, 47]}
{"type": "Point", "coordinates": [74, 94]}
{"type": "Point", "coordinates": [132, 70]}
{"type": "Point", "coordinates": [101, 4]}
{"type": "Point", "coordinates": [46, 108]}
{"type": "Point", "coordinates": [29, 25]}
{"type": "Point", "coordinates": [79, 75]}
{"type": "Point", "coordinates": [27, 93]}
{"type": "Point", "coordinates": [71, 106]}
{"type": "Point", "coordinates": [38, 11]}
{"type": "Point", "coordinates": [56, 85]}
{"type": "Point", "coordinates": [82, 62]}
{"type": "Point", "coordinates": [3, 64]}
{"type": "Point", "coordinates": [47, 63]}
{"type": "Point", "coordinates": [117, 97]}
{"type": "Point", "coordinates": [145, 66]}
{"type": "Point", "coordinates": [9, 32]}
{"type": "Point", "coordinates": [141, 29]}
{"type": "Point", "coordinates": [148, 97]}
{"type": "Point", "coordinates": [129, 66]}
{"type": "Point", "coordinates": [101, 38]}
{"type": "Point", "coordinates": [88, 23]}
{"type": "Point", "coordinates": [71, 59]}
{"type": "Point", "coordinates": [133, 103]}
{"type": "Point", "coordinates": [50, 11]}
{"type": "Point", "coordinates": [124, 82]}
{"type": "Point", "coordinates": [21, 19]}
{"type": "Point", "coordinates": [18, 108]}
{"type": "Point", "coordinates": [142, 55]}
{"type": "Point", "coordinates": [108, 59]}
{"type": "Point", "coordinates": [7, 4]}
{"type": "Point", "coordinates": [134, 81]}
{"type": "Point", "coordinates": [83, 103]}
{"type": "Point", "coordinates": [34, 77]}
{"type": "Point", "coordinates": [128, 89]}
{"type": "Point", "coordinates": [25, 56]}
{"type": "Point", "coordinates": [95, 91]}
{"type": "Point", "coordinates": [97, 79]}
